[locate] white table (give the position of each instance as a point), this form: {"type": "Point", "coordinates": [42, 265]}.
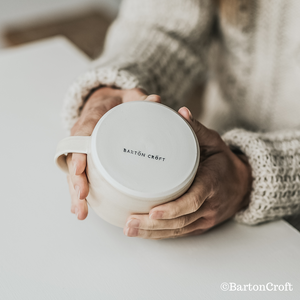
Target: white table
{"type": "Point", "coordinates": [45, 253]}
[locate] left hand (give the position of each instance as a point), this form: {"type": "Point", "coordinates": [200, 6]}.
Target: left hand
{"type": "Point", "coordinates": [220, 189]}
{"type": "Point", "coordinates": [98, 103]}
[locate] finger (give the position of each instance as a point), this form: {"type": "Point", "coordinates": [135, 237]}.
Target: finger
{"type": "Point", "coordinates": [133, 95]}
{"type": "Point", "coordinates": [153, 234]}
{"type": "Point", "coordinates": [82, 209]}
{"type": "Point", "coordinates": [80, 182]}
{"type": "Point", "coordinates": [204, 135]}
{"type": "Point", "coordinates": [159, 234]}
{"type": "Point", "coordinates": [74, 209]}
{"type": "Point", "coordinates": [187, 115]}
{"type": "Point", "coordinates": [203, 223]}
{"type": "Point", "coordinates": [200, 225]}
{"type": "Point", "coordinates": [153, 98]}
{"type": "Point", "coordinates": [193, 233]}
{"type": "Point", "coordinates": [78, 207]}
{"type": "Point", "coordinates": [144, 222]}
{"type": "Point", "coordinates": [78, 163]}
{"type": "Point", "coordinates": [190, 202]}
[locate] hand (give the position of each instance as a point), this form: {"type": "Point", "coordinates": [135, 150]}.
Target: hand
{"type": "Point", "coordinates": [101, 101]}
{"type": "Point", "coordinates": [220, 189]}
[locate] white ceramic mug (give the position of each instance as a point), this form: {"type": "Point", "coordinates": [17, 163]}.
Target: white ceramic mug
{"type": "Point", "coordinates": [140, 154]}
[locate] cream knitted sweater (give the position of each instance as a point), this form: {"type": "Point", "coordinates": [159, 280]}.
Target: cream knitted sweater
{"type": "Point", "coordinates": [163, 47]}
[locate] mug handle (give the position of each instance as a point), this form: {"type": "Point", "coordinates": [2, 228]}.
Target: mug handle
{"type": "Point", "coordinates": [71, 144]}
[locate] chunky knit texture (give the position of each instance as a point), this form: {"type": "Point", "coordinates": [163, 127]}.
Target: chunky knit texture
{"type": "Point", "coordinates": [275, 162]}
{"type": "Point", "coordinates": [164, 48]}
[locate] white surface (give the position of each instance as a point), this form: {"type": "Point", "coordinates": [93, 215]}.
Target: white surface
{"type": "Point", "coordinates": [45, 253]}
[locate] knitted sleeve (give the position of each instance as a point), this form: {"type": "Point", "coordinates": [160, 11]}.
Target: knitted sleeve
{"type": "Point", "coordinates": [159, 46]}
{"type": "Point", "coordinates": [275, 162]}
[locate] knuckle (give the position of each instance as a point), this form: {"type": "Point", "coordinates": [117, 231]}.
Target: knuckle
{"type": "Point", "coordinates": [151, 225]}
{"type": "Point", "coordinates": [181, 222]}
{"type": "Point", "coordinates": [195, 202]}
{"type": "Point", "coordinates": [72, 181]}
{"type": "Point", "coordinates": [174, 211]}
{"type": "Point", "coordinates": [214, 206]}
{"type": "Point", "coordinates": [178, 231]}
{"type": "Point", "coordinates": [90, 124]}
{"type": "Point", "coordinates": [209, 223]}
{"type": "Point", "coordinates": [75, 180]}
{"type": "Point", "coordinates": [212, 221]}
{"type": "Point", "coordinates": [74, 199]}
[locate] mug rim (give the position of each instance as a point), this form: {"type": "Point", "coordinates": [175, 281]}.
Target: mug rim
{"type": "Point", "coordinates": [133, 193]}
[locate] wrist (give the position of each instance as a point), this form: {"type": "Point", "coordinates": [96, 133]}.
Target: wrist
{"type": "Point", "coordinates": [246, 177]}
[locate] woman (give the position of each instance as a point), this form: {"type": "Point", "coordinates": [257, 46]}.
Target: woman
{"type": "Point", "coordinates": [164, 48]}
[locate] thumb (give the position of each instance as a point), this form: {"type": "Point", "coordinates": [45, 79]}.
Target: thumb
{"type": "Point", "coordinates": [203, 134]}
{"type": "Point", "coordinates": [153, 98]}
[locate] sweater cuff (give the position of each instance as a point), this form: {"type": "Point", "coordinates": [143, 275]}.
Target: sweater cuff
{"type": "Point", "coordinates": [264, 205]}
{"type": "Point", "coordinates": [77, 93]}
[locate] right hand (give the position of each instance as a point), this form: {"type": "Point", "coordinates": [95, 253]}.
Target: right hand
{"type": "Point", "coordinates": [101, 101]}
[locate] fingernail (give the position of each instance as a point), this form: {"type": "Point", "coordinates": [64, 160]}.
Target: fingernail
{"type": "Point", "coordinates": [156, 215]}
{"type": "Point", "coordinates": [190, 114]}
{"type": "Point", "coordinates": [131, 232]}
{"type": "Point", "coordinates": [77, 189]}
{"type": "Point", "coordinates": [151, 97]}
{"type": "Point", "coordinates": [133, 223]}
